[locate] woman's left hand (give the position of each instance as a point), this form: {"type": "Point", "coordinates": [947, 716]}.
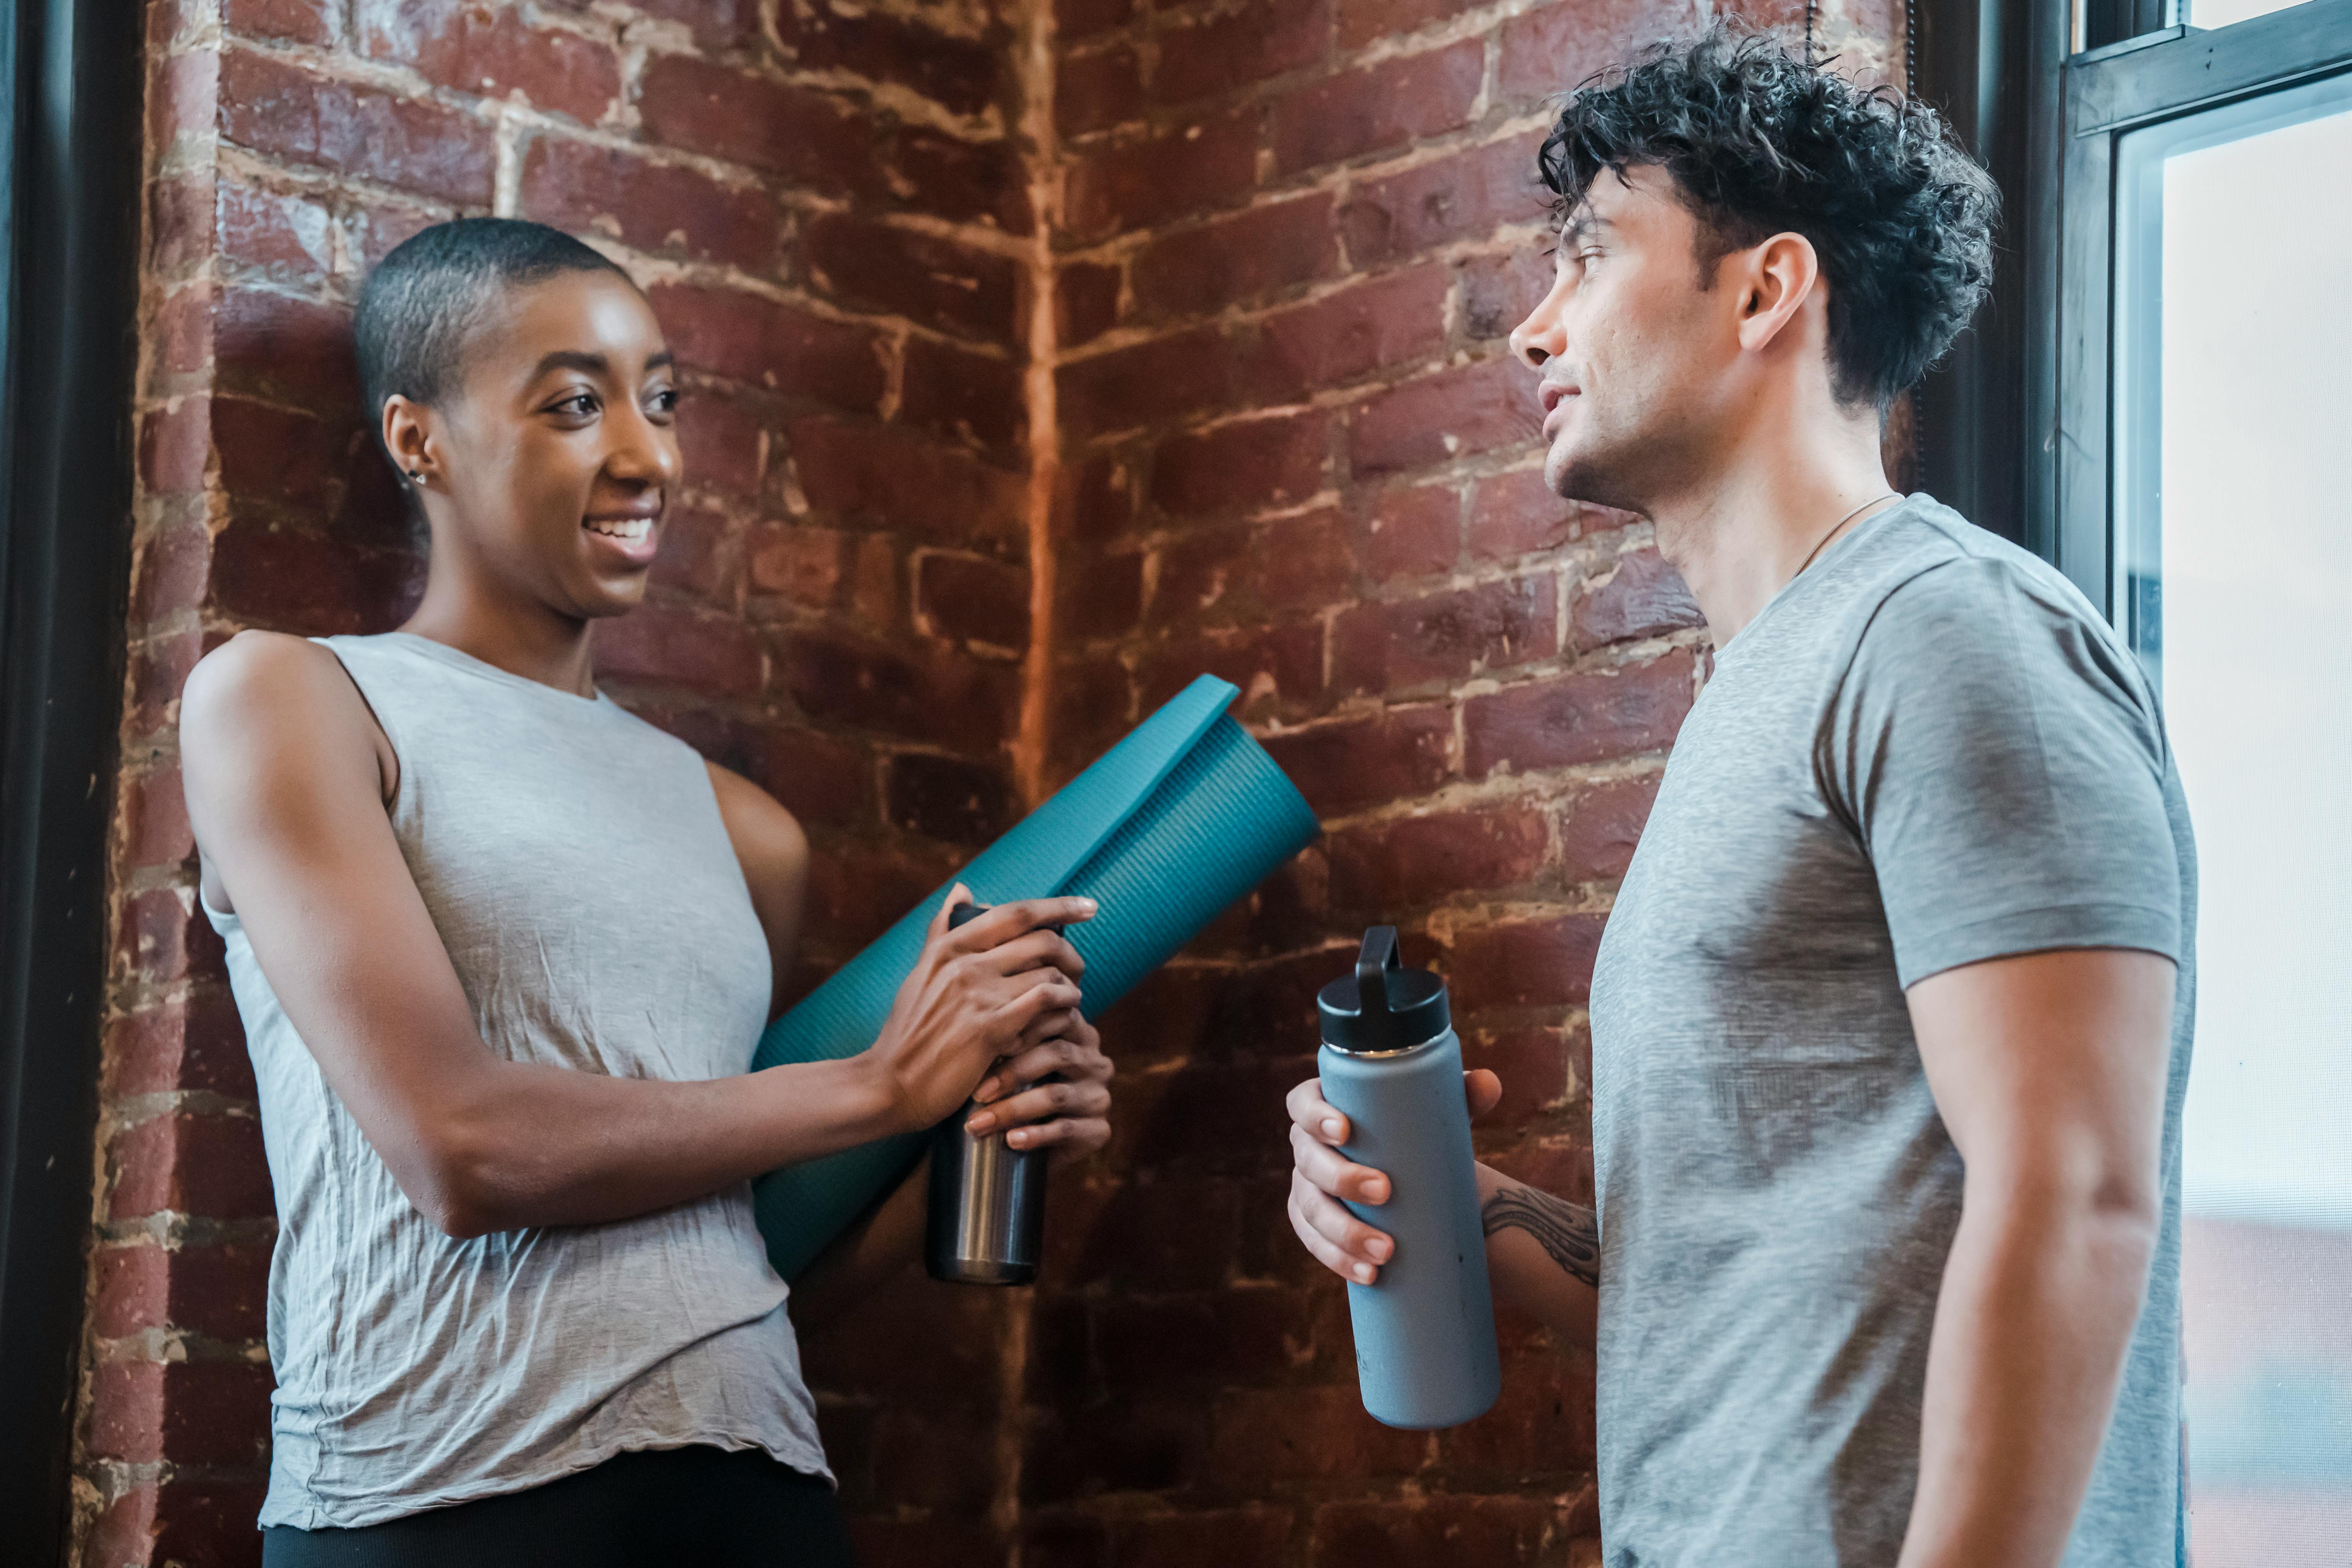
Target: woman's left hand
{"type": "Point", "coordinates": [1072, 1117]}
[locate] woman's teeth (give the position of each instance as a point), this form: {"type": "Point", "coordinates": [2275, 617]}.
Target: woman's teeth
{"type": "Point", "coordinates": [629, 530]}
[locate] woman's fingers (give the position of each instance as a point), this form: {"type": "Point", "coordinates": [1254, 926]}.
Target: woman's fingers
{"type": "Point", "coordinates": [1066, 1138]}
{"type": "Point", "coordinates": [1041, 1102]}
{"type": "Point", "coordinates": [1073, 1052]}
{"type": "Point", "coordinates": [1326, 1169]}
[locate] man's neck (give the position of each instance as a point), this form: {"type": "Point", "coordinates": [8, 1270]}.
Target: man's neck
{"type": "Point", "coordinates": [1743, 533]}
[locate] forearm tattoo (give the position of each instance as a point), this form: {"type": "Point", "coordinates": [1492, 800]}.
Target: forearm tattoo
{"type": "Point", "coordinates": [1568, 1232]}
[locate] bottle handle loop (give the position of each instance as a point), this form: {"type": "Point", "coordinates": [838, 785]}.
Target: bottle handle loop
{"type": "Point", "coordinates": [1373, 965]}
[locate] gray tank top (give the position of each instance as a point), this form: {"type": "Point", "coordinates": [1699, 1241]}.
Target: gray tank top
{"type": "Point", "coordinates": [575, 865]}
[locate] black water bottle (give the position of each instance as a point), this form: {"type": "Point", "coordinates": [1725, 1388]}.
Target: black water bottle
{"type": "Point", "coordinates": [987, 1223]}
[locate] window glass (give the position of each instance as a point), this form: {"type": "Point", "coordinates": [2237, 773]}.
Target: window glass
{"type": "Point", "coordinates": [2233, 364]}
{"type": "Point", "coordinates": [2221, 12]}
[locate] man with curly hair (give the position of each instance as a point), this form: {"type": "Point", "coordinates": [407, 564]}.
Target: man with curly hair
{"type": "Point", "coordinates": [1891, 1021]}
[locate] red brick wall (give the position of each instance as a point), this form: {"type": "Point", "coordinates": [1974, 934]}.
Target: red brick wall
{"type": "Point", "coordinates": [936, 549]}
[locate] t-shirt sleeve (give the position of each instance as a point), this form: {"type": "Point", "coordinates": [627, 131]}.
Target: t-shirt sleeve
{"type": "Point", "coordinates": [2003, 764]}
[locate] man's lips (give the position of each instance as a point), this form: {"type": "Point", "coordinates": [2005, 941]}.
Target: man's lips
{"type": "Point", "coordinates": [1554, 395]}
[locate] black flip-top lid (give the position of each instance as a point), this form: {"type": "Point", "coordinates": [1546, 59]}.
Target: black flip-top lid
{"type": "Point", "coordinates": [1382, 1007]}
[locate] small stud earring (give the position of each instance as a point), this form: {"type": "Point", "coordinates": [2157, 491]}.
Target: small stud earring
{"type": "Point", "coordinates": [416, 476]}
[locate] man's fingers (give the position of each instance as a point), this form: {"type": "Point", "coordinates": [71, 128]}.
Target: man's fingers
{"type": "Point", "coordinates": [1343, 1244]}
{"type": "Point", "coordinates": [1484, 1090]}
{"type": "Point", "coordinates": [1327, 1170]}
{"type": "Point", "coordinates": [1310, 1110]}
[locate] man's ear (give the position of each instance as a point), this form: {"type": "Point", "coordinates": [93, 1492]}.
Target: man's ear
{"type": "Point", "coordinates": [408, 436]}
{"type": "Point", "coordinates": [1774, 280]}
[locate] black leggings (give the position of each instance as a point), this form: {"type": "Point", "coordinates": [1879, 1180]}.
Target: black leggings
{"type": "Point", "coordinates": [706, 1505]}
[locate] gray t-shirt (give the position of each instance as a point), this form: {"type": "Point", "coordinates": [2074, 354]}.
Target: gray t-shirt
{"type": "Point", "coordinates": [1927, 750]}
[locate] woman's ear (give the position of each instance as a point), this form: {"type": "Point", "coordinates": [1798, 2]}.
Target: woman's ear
{"type": "Point", "coordinates": [408, 437]}
{"type": "Point", "coordinates": [1778, 278]}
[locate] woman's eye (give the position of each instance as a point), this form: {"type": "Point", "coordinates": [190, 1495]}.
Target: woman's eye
{"type": "Point", "coordinates": [578, 405]}
{"type": "Point", "coordinates": [664, 401]}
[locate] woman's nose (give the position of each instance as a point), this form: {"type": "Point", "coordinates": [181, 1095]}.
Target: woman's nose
{"type": "Point", "coordinates": [645, 454]}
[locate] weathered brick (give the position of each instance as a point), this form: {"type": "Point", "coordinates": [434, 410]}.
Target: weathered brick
{"type": "Point", "coordinates": [1101, 595]}
{"type": "Point", "coordinates": [1095, 499]}
{"type": "Point", "coordinates": [653, 206]}
{"type": "Point", "coordinates": [214, 1290]}
{"type": "Point", "coordinates": [1308, 1433]}
{"type": "Point", "coordinates": [159, 666]}
{"type": "Point", "coordinates": [195, 1043]}
{"type": "Point", "coordinates": [1449, 198]}
{"type": "Point", "coordinates": [1556, 48]}
{"type": "Point", "coordinates": [295, 21]}
{"type": "Point", "coordinates": [1262, 461]}
{"type": "Point", "coordinates": [1517, 513]}
{"type": "Point", "coordinates": [807, 137]}
{"type": "Point", "coordinates": [1346, 764]}
{"type": "Point", "coordinates": [722, 441]}
{"type": "Point", "coordinates": [1075, 19]}
{"type": "Point", "coordinates": [1539, 962]}
{"type": "Point", "coordinates": [183, 97]}
{"type": "Point", "coordinates": [975, 397]}
{"type": "Point", "coordinates": [1347, 335]}
{"type": "Point", "coordinates": [292, 579]}
{"type": "Point", "coordinates": [946, 176]}
{"type": "Point", "coordinates": [1162, 378]}
{"type": "Point", "coordinates": [938, 698]}
{"type": "Point", "coordinates": [1446, 635]}
{"type": "Point", "coordinates": [1251, 1537]}
{"type": "Point", "coordinates": [189, 1163]}
{"type": "Point", "coordinates": [1238, 259]}
{"type": "Point", "coordinates": [751, 338]}
{"type": "Point", "coordinates": [1121, 188]}
{"type": "Point", "coordinates": [1462, 1528]}
{"type": "Point", "coordinates": [1277, 568]}
{"type": "Point", "coordinates": [1583, 715]}
{"type": "Point", "coordinates": [285, 239]}
{"type": "Point", "coordinates": [890, 477]}
{"type": "Point", "coordinates": [1642, 597]}
{"type": "Point", "coordinates": [269, 453]}
{"type": "Point", "coordinates": [297, 351]}
{"type": "Point", "coordinates": [196, 1412]}
{"type": "Point", "coordinates": [821, 778]}
{"type": "Point", "coordinates": [180, 220]}
{"type": "Point", "coordinates": [155, 830]}
{"type": "Point", "coordinates": [1228, 48]}
{"type": "Point", "coordinates": [1600, 824]}
{"type": "Point", "coordinates": [1282, 664]}
{"type": "Point", "coordinates": [1097, 89]}
{"type": "Point", "coordinates": [663, 645]}
{"type": "Point", "coordinates": [1414, 531]}
{"type": "Point", "coordinates": [1499, 291]}
{"type": "Point", "coordinates": [696, 551]}
{"type": "Point", "coordinates": [963, 75]}
{"type": "Point", "coordinates": [1536, 1067]}
{"type": "Point", "coordinates": [1379, 108]}
{"type": "Point", "coordinates": [909, 273]}
{"type": "Point", "coordinates": [1362, 21]}
{"type": "Point", "coordinates": [175, 444]}
{"type": "Point", "coordinates": [1086, 299]}
{"type": "Point", "coordinates": [972, 598]}
{"type": "Point", "coordinates": [952, 798]}
{"type": "Point", "coordinates": [475, 47]}
{"type": "Point", "coordinates": [1452, 413]}
{"type": "Point", "coordinates": [1413, 860]}
{"type": "Point", "coordinates": [716, 24]}
{"type": "Point", "coordinates": [275, 107]}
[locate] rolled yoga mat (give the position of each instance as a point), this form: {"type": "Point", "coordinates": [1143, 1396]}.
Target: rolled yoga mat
{"type": "Point", "coordinates": [1165, 829]}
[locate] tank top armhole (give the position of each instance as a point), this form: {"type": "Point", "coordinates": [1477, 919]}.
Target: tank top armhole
{"type": "Point", "coordinates": [399, 758]}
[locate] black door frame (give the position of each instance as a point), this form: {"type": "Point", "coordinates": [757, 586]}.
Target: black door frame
{"type": "Point", "coordinates": [70, 163]}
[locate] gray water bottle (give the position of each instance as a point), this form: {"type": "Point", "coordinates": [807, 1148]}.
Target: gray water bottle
{"type": "Point", "coordinates": [987, 1219]}
{"type": "Point", "coordinates": [1426, 1355]}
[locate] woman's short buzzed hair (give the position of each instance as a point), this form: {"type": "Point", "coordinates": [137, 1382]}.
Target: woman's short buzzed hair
{"type": "Point", "coordinates": [1759, 143]}
{"type": "Point", "coordinates": [424, 301]}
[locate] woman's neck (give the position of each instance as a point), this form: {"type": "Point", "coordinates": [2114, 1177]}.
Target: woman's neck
{"type": "Point", "coordinates": [518, 634]}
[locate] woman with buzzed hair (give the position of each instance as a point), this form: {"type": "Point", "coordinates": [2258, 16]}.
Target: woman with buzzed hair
{"type": "Point", "coordinates": [503, 951]}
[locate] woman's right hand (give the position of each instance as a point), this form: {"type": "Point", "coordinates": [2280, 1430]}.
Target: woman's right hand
{"type": "Point", "coordinates": [994, 986]}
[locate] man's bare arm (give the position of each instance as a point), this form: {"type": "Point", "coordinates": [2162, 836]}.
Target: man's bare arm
{"type": "Point", "coordinates": [1543, 1251]}
{"type": "Point", "coordinates": [2050, 1071]}
{"type": "Point", "coordinates": [277, 754]}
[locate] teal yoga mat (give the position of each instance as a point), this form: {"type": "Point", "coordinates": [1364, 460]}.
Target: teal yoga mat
{"type": "Point", "coordinates": [1165, 829]}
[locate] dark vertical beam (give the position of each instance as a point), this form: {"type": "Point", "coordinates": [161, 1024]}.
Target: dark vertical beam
{"type": "Point", "coordinates": [68, 317]}
{"type": "Point", "coordinates": [1976, 68]}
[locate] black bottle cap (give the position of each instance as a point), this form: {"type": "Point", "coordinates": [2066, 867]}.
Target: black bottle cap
{"type": "Point", "coordinates": [964, 915]}
{"type": "Point", "coordinates": [1382, 1007]}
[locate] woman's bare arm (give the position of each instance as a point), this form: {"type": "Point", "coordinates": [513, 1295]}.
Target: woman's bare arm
{"type": "Point", "coordinates": [278, 757]}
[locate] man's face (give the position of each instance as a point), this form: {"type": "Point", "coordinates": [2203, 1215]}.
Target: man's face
{"type": "Point", "coordinates": [1630, 352]}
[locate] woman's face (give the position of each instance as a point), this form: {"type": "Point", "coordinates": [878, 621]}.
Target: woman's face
{"type": "Point", "coordinates": [551, 466]}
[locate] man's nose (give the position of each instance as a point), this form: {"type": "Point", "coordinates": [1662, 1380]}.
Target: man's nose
{"type": "Point", "coordinates": [1537, 338]}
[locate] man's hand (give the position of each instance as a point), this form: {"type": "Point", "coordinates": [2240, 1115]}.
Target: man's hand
{"type": "Point", "coordinates": [1321, 1176]}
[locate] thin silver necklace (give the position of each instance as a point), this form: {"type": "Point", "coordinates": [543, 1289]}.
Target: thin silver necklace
{"type": "Point", "coordinates": [1889, 495]}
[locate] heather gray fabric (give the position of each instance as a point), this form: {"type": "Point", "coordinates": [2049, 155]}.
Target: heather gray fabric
{"type": "Point", "coordinates": [1927, 750]}
{"type": "Point", "coordinates": [575, 863]}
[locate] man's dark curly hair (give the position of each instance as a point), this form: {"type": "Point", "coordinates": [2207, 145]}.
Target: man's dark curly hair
{"type": "Point", "coordinates": [1760, 144]}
